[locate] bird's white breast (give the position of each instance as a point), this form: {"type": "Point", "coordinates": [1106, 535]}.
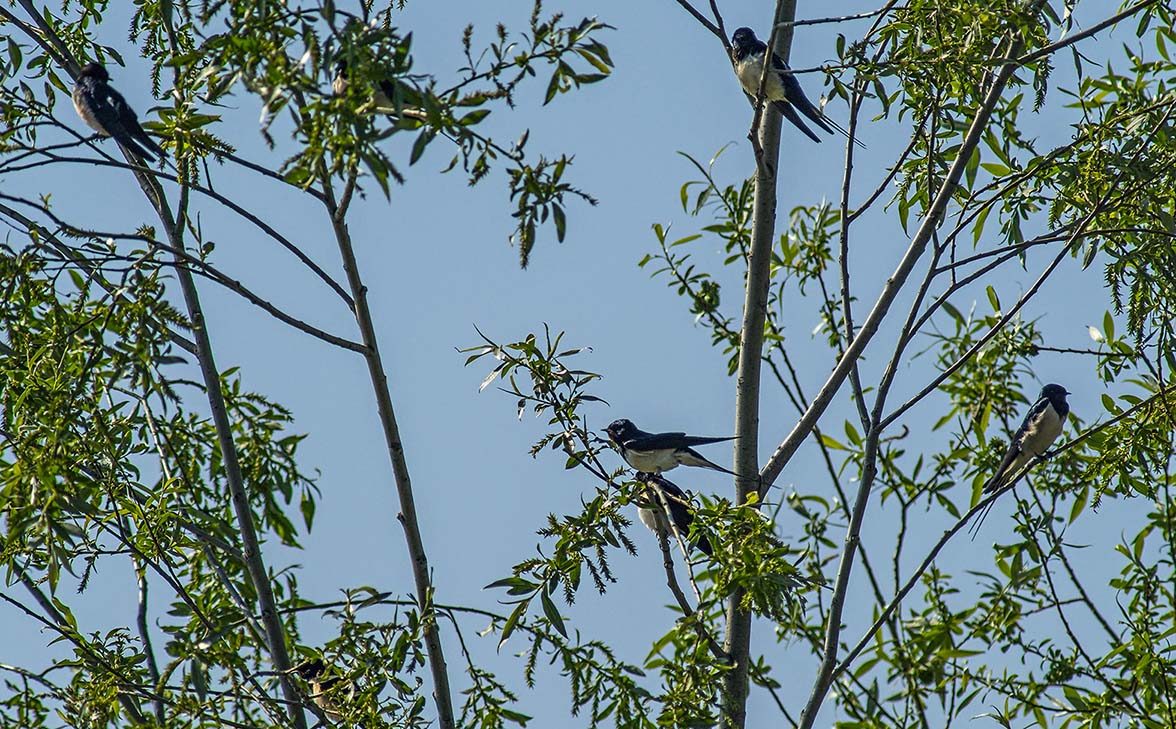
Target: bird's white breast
{"type": "Point", "coordinates": [83, 110]}
{"type": "Point", "coordinates": [652, 519]}
{"type": "Point", "coordinates": [749, 71]}
{"type": "Point", "coordinates": [651, 461]}
{"type": "Point", "coordinates": [1041, 432]}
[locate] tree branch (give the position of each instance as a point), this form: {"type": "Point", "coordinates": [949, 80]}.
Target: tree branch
{"type": "Point", "coordinates": [737, 643]}
{"type": "Point", "coordinates": [387, 414]}
{"type": "Point", "coordinates": [897, 281]}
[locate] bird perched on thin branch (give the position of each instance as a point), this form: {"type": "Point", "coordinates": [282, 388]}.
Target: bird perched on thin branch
{"type": "Point", "coordinates": [381, 95]}
{"type": "Point", "coordinates": [1041, 427]}
{"type": "Point", "coordinates": [327, 690]}
{"type": "Point", "coordinates": [781, 88]}
{"type": "Point", "coordinates": [662, 494]}
{"type": "Point", "coordinates": [106, 111]}
{"type": "Point", "coordinates": [658, 452]}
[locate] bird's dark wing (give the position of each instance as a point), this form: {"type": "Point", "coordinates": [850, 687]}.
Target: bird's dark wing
{"type": "Point", "coordinates": [790, 114]}
{"type": "Point", "coordinates": [704, 545]}
{"type": "Point", "coordinates": [694, 440]}
{"type": "Point", "coordinates": [388, 89]}
{"type": "Point", "coordinates": [99, 100]}
{"type": "Point", "coordinates": [1011, 454]}
{"type": "Point", "coordinates": [130, 122]}
{"type": "Point", "coordinates": [797, 98]}
{"type": "Point", "coordinates": [683, 517]}
{"type": "Point", "coordinates": [116, 117]}
{"type": "Point", "coordinates": [664, 441]}
{"type": "Point", "coordinates": [656, 441]}
{"type": "Point", "coordinates": [1033, 414]}
{"type": "Point", "coordinates": [1015, 444]}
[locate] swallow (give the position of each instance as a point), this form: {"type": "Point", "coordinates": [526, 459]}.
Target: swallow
{"type": "Point", "coordinates": [658, 452]}
{"type": "Point", "coordinates": [661, 493]}
{"type": "Point", "coordinates": [780, 88]}
{"type": "Point", "coordinates": [106, 111]}
{"type": "Point", "coordinates": [326, 689]}
{"type": "Point", "coordinates": [1041, 427]}
{"type": "Point", "coordinates": [382, 94]}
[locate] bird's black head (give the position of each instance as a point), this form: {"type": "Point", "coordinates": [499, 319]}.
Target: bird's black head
{"type": "Point", "coordinates": [619, 430]}
{"type": "Point", "coordinates": [310, 670]}
{"type": "Point", "coordinates": [94, 70]}
{"type": "Point", "coordinates": [1056, 393]}
{"type": "Point", "coordinates": [743, 39]}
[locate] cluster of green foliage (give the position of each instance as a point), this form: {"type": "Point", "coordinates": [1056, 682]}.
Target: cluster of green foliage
{"type": "Point", "coordinates": [109, 456]}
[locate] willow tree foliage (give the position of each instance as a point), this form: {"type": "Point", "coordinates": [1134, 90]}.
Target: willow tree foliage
{"type": "Point", "coordinates": [126, 446]}
{"type": "Point", "coordinates": [869, 583]}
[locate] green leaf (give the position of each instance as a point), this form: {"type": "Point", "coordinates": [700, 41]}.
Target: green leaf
{"type": "Point", "coordinates": [852, 434]}
{"type": "Point", "coordinates": [552, 614]}
{"type": "Point", "coordinates": [596, 62]}
{"type": "Point", "coordinates": [552, 86]}
{"type": "Point", "coordinates": [953, 312]}
{"type": "Point", "coordinates": [561, 222]}
{"type": "Point", "coordinates": [993, 299]}
{"type": "Point", "coordinates": [418, 147]}
{"type": "Point", "coordinates": [1079, 503]}
{"type": "Point", "coordinates": [978, 225]}
{"type": "Point", "coordinates": [512, 622]}
{"type": "Point", "coordinates": [514, 583]}
{"type": "Point", "coordinates": [829, 442]}
{"type": "Point", "coordinates": [473, 117]}
{"type": "Point", "coordinates": [307, 507]}
{"type": "Point", "coordinates": [515, 716]}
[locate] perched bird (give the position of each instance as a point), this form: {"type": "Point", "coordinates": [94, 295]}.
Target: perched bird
{"type": "Point", "coordinates": [106, 111]}
{"type": "Point", "coordinates": [382, 94]}
{"type": "Point", "coordinates": [657, 452]}
{"type": "Point", "coordinates": [1041, 427]}
{"type": "Point", "coordinates": [326, 689]}
{"type": "Point", "coordinates": [780, 88]}
{"type": "Point", "coordinates": [661, 493]}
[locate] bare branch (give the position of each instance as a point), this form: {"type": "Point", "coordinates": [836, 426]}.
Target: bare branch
{"type": "Point", "coordinates": [403, 481]}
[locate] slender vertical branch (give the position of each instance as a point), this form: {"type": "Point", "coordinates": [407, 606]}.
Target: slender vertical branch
{"type": "Point", "coordinates": [238, 496]}
{"type": "Point", "coordinates": [387, 414]}
{"type": "Point", "coordinates": [843, 251]}
{"type": "Point", "coordinates": [737, 643]}
{"type": "Point", "coordinates": [275, 633]}
{"type": "Point", "coordinates": [145, 638]}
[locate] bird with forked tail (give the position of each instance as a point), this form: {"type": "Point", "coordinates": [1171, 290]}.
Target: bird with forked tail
{"type": "Point", "coordinates": [105, 111]}
{"type": "Point", "coordinates": [1041, 427]}
{"type": "Point", "coordinates": [658, 452]}
{"type": "Point", "coordinates": [781, 89]}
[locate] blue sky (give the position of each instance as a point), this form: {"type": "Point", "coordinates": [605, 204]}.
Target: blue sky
{"type": "Point", "coordinates": [436, 261]}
